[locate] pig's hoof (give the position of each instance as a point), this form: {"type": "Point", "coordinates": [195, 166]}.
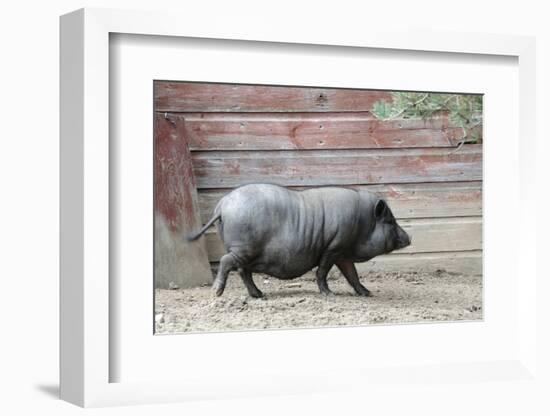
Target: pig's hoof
{"type": "Point", "coordinates": [327, 293]}
{"type": "Point", "coordinates": [217, 290]}
{"type": "Point", "coordinates": [257, 294]}
{"type": "Point", "coordinates": [364, 292]}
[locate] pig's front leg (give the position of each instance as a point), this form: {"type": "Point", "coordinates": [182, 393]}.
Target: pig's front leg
{"type": "Point", "coordinates": [347, 267]}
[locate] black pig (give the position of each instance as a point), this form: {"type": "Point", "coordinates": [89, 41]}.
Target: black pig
{"type": "Point", "coordinates": [285, 233]}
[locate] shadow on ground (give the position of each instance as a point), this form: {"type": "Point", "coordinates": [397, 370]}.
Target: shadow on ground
{"type": "Point", "coordinates": [51, 390]}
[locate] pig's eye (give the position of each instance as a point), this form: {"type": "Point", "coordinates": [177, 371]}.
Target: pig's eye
{"type": "Point", "coordinates": [390, 220]}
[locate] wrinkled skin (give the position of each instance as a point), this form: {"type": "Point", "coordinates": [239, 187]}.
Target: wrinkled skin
{"type": "Point", "coordinates": [284, 233]}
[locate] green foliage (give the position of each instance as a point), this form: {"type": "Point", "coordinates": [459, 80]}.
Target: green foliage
{"type": "Point", "coordinates": [382, 109]}
{"type": "Point", "coordinates": [465, 110]}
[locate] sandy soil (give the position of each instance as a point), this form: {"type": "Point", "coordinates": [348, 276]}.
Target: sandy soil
{"type": "Point", "coordinates": [396, 298]}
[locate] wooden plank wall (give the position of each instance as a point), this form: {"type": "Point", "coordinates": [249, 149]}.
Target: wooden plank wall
{"type": "Point", "coordinates": [302, 137]}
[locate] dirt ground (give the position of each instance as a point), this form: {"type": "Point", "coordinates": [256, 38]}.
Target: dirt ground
{"type": "Point", "coordinates": [396, 298]}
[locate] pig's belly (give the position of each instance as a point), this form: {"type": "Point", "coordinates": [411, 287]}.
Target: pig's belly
{"type": "Point", "coordinates": [284, 266]}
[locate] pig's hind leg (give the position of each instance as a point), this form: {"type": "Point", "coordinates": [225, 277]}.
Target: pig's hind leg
{"type": "Point", "coordinates": [253, 290]}
{"type": "Point", "coordinates": [228, 262]}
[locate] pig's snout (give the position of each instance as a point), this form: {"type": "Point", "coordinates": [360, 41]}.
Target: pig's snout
{"type": "Point", "coordinates": [404, 239]}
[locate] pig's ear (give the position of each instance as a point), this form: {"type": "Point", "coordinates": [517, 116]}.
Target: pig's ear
{"type": "Point", "coordinates": [380, 209]}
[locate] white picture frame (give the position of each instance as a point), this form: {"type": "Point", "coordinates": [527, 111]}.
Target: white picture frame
{"type": "Point", "coordinates": [87, 356]}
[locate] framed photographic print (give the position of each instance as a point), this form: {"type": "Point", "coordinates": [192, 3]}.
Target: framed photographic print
{"type": "Point", "coordinates": [286, 213]}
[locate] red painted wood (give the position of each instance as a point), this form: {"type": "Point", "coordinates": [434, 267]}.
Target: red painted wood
{"type": "Point", "coordinates": [337, 167]}
{"type": "Point", "coordinates": [275, 131]}
{"type": "Point", "coordinates": [176, 211]}
{"type": "Point", "coordinates": [202, 97]}
{"type": "Point", "coordinates": [174, 181]}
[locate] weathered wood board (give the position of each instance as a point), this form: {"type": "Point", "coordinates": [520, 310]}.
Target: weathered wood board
{"type": "Point", "coordinates": [460, 262]}
{"type": "Point", "coordinates": [269, 131]}
{"type": "Point", "coordinates": [176, 211]}
{"type": "Point", "coordinates": [202, 97]}
{"type": "Point", "coordinates": [337, 167]}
